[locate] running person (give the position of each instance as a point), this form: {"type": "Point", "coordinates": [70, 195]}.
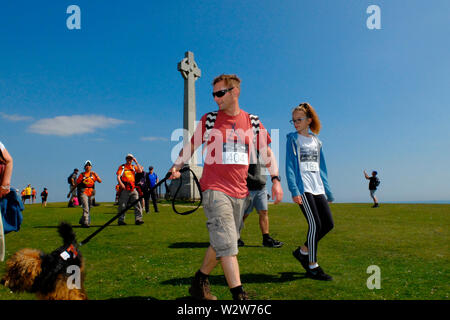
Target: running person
{"type": "Point", "coordinates": [306, 175]}
{"type": "Point", "coordinates": [85, 189]}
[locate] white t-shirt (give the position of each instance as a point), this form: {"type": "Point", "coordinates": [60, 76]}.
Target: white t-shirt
{"type": "Point", "coordinates": [309, 164]}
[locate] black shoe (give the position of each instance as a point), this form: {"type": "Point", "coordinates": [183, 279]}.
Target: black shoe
{"type": "Point", "coordinates": [121, 223]}
{"type": "Point", "coordinates": [240, 243]}
{"type": "Point", "coordinates": [302, 258]}
{"type": "Point", "coordinates": [318, 274]}
{"type": "Point", "coordinates": [272, 243]}
{"type": "Point", "coordinates": [139, 222]}
{"type": "Point", "coordinates": [84, 225]}
{"type": "Point", "coordinates": [376, 205]}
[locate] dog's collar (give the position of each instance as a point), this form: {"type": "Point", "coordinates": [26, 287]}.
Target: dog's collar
{"type": "Point", "coordinates": [70, 253]}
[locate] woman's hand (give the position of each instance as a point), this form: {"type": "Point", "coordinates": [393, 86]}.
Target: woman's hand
{"type": "Point", "coordinates": [297, 200]}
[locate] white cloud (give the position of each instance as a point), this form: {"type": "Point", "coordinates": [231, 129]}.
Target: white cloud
{"type": "Point", "coordinates": [15, 117]}
{"type": "Point", "coordinates": [73, 125]}
{"type": "Point", "coordinates": [154, 139]}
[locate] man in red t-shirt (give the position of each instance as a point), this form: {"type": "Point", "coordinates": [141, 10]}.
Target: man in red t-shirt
{"type": "Point", "coordinates": [230, 146]}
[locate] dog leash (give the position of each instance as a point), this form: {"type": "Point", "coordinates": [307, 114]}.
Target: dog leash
{"type": "Point", "coordinates": [85, 241]}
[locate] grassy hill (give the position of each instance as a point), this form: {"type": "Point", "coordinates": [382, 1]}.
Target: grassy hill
{"type": "Point", "coordinates": [408, 242]}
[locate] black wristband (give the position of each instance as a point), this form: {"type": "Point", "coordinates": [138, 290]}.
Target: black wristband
{"type": "Point", "coordinates": [275, 177]}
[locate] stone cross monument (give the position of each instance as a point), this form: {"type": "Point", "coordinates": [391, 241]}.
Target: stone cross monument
{"type": "Point", "coordinates": [190, 73]}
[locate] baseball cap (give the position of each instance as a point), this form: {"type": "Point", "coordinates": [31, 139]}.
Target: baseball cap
{"type": "Point", "coordinates": [88, 162]}
{"type": "Point", "coordinates": [129, 156]}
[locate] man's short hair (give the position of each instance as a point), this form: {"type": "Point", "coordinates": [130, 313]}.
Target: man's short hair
{"type": "Point", "coordinates": [230, 80]}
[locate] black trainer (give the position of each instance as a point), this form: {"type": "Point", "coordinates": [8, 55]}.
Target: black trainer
{"type": "Point", "coordinates": [302, 258]}
{"type": "Point", "coordinates": [318, 274]}
{"type": "Point", "coordinates": [241, 296]}
{"type": "Point", "coordinates": [272, 243]}
{"type": "Point", "coordinates": [240, 243]}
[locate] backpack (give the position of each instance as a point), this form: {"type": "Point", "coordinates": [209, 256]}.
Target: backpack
{"type": "Point", "coordinates": [211, 120]}
{"type": "Point", "coordinates": [377, 182]}
{"type": "Point", "coordinates": [69, 178]}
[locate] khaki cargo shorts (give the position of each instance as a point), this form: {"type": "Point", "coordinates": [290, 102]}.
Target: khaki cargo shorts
{"type": "Point", "coordinates": [224, 214]}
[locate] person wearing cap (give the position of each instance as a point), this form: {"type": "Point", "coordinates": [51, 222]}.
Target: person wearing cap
{"type": "Point", "coordinates": [85, 190]}
{"type": "Point", "coordinates": [126, 177]}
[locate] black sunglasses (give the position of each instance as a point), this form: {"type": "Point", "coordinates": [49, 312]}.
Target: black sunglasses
{"type": "Point", "coordinates": [221, 93]}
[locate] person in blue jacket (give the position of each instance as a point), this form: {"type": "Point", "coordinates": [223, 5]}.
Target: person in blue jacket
{"type": "Point", "coordinates": [306, 175]}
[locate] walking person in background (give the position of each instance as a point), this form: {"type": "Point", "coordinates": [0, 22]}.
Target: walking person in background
{"type": "Point", "coordinates": [151, 181]}
{"type": "Point", "coordinates": [44, 196]}
{"type": "Point", "coordinates": [28, 193]}
{"type": "Point", "coordinates": [126, 177]}
{"type": "Point", "coordinates": [72, 180]}
{"type": "Point", "coordinates": [374, 182]}
{"type": "Point", "coordinates": [85, 187]}
{"type": "Point", "coordinates": [256, 183]}
{"type": "Point", "coordinates": [33, 195]}
{"type": "Point", "coordinates": [306, 175]}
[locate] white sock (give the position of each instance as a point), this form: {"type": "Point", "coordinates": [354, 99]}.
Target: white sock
{"type": "Point", "coordinates": [312, 266]}
{"type": "Point", "coordinates": [303, 252]}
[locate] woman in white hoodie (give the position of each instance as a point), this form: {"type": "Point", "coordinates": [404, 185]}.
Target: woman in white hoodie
{"type": "Point", "coordinates": [306, 175]}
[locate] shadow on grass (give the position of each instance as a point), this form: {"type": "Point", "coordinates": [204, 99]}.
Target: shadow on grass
{"type": "Point", "coordinates": [245, 278]}
{"type": "Point", "coordinates": [184, 245]}
{"type": "Point", "coordinates": [133, 298]}
{"type": "Point", "coordinates": [80, 227]}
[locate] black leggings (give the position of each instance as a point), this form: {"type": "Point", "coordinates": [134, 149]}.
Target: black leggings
{"type": "Point", "coordinates": [318, 215]}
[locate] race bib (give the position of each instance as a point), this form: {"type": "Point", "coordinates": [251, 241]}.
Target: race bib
{"type": "Point", "coordinates": [235, 153]}
{"type": "Point", "coordinates": [309, 166]}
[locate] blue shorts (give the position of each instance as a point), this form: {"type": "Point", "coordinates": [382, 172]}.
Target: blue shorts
{"type": "Point", "coordinates": [258, 200]}
{"type": "Point", "coordinates": [372, 192]}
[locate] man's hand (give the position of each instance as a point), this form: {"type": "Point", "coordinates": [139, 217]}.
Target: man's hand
{"type": "Point", "coordinates": [277, 191]}
{"type": "Point", "coordinates": [175, 173]}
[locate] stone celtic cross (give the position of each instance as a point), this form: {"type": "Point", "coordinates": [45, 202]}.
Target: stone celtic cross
{"type": "Point", "coordinates": [190, 72]}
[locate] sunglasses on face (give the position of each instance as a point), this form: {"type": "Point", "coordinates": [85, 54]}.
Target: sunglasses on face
{"type": "Point", "coordinates": [297, 120]}
{"type": "Point", "coordinates": [221, 93]}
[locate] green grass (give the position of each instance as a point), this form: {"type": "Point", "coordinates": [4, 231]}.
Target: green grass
{"type": "Point", "coordinates": [410, 244]}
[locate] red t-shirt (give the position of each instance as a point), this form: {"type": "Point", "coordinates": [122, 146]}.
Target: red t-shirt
{"type": "Point", "coordinates": [228, 152]}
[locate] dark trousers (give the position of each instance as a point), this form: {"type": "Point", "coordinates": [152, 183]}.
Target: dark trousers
{"type": "Point", "coordinates": [147, 195]}
{"type": "Point", "coordinates": [320, 221]}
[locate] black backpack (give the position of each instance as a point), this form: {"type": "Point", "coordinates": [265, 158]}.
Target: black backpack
{"type": "Point", "coordinates": [69, 178]}
{"type": "Point", "coordinates": [377, 182]}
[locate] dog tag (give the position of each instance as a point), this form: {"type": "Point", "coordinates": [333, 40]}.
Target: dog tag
{"type": "Point", "coordinates": [65, 255]}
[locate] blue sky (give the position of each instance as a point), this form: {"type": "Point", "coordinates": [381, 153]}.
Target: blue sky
{"type": "Point", "coordinates": [113, 87]}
